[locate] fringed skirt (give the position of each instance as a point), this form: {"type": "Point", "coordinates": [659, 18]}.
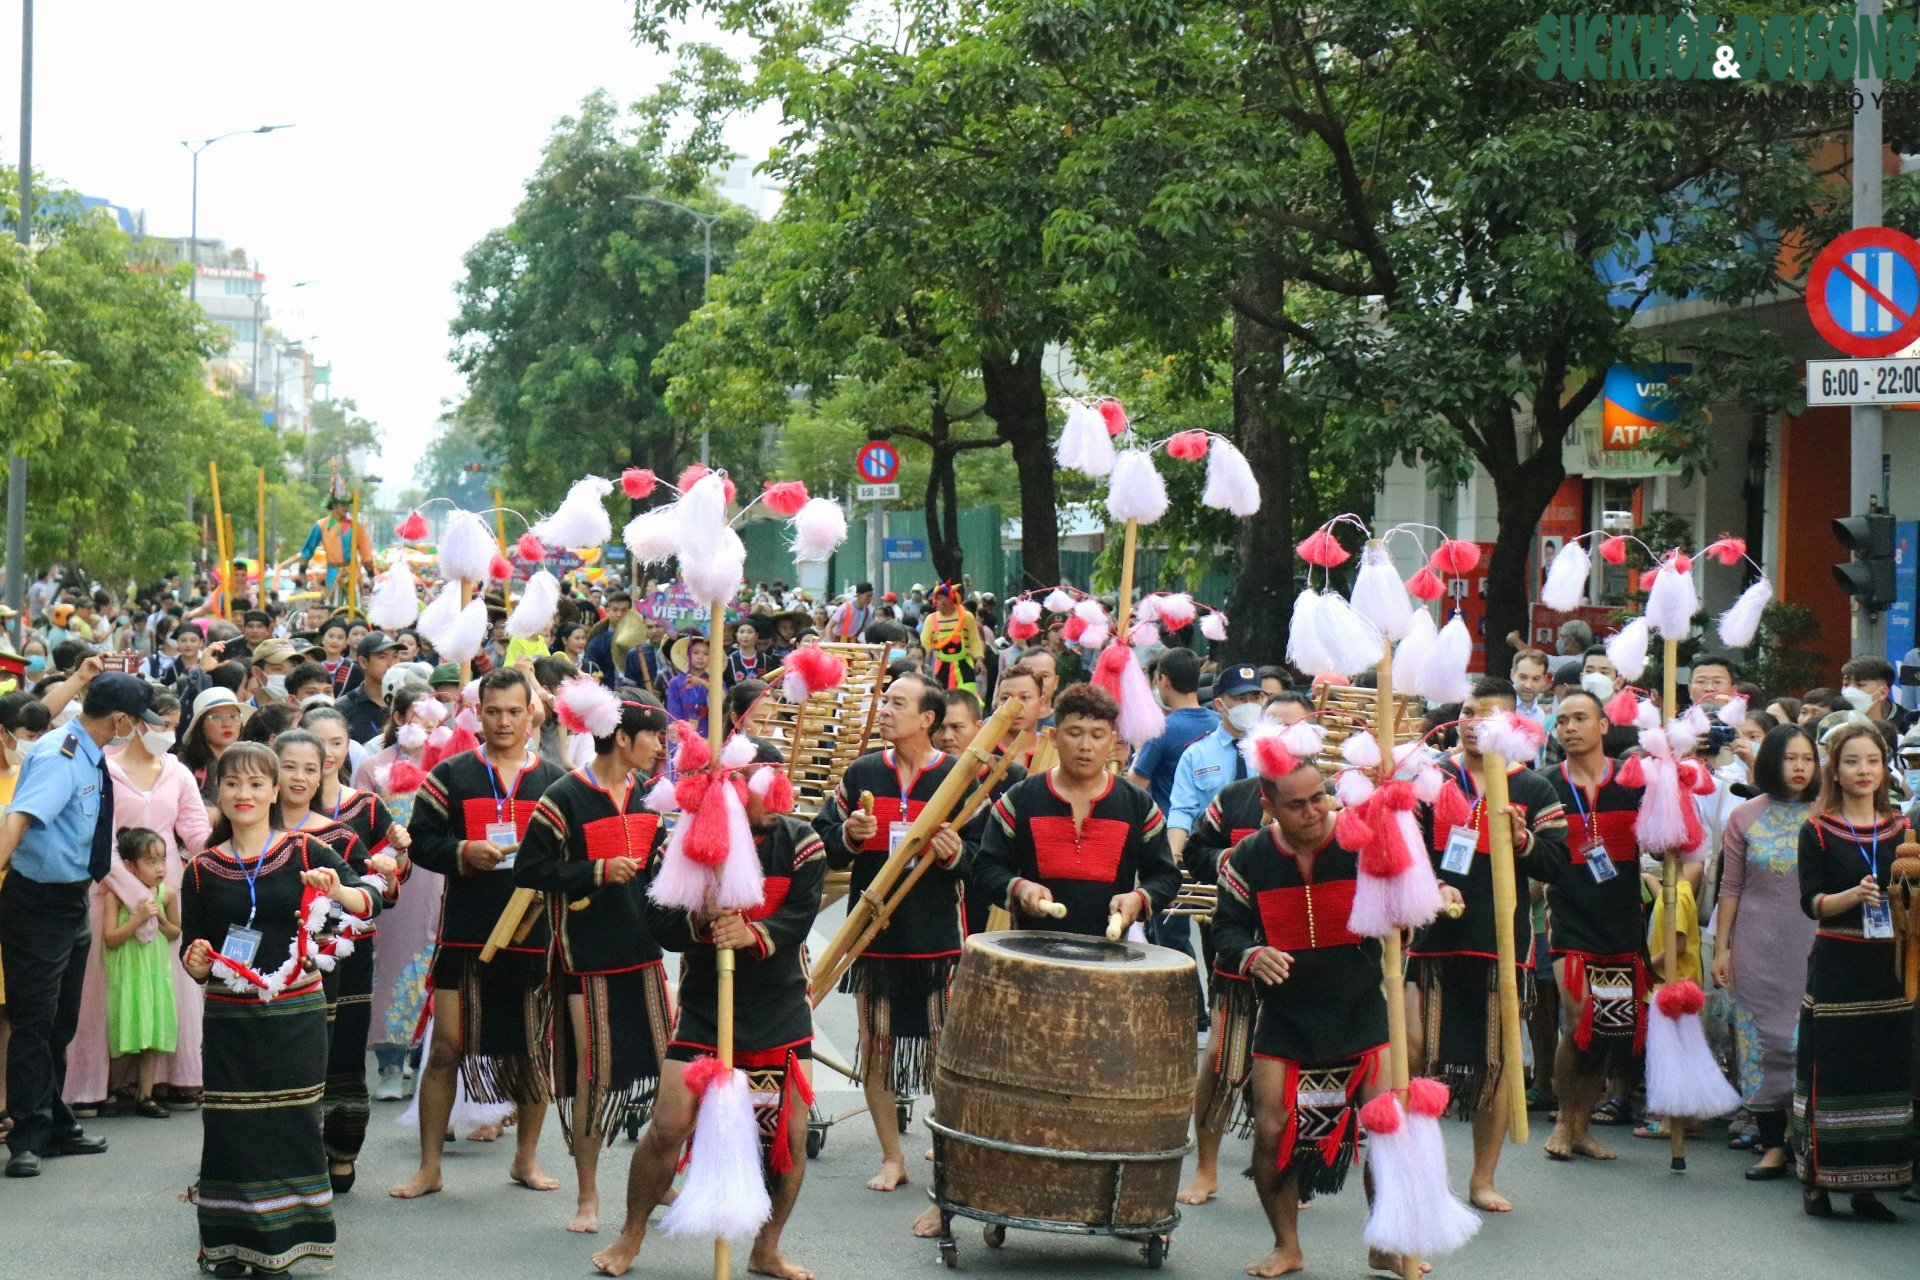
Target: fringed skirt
{"type": "Point", "coordinates": [903, 1006]}
{"type": "Point", "coordinates": [504, 1007]}
{"type": "Point", "coordinates": [1322, 1133]}
{"type": "Point", "coordinates": [781, 1095]}
{"type": "Point", "coordinates": [1229, 1058]}
{"type": "Point", "coordinates": [263, 1198]}
{"type": "Point", "coordinates": [1460, 1025]}
{"type": "Point", "coordinates": [1609, 1017]}
{"type": "Point", "coordinates": [346, 1107]}
{"type": "Point", "coordinates": [627, 1023]}
{"type": "Point", "coordinates": [1853, 1086]}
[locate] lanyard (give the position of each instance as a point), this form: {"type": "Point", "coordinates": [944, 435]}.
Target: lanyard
{"type": "Point", "coordinates": [253, 898]}
{"type": "Point", "coordinates": [503, 806]}
{"type": "Point", "coordinates": [1873, 858]}
{"type": "Point", "coordinates": [1588, 817]}
{"type": "Point", "coordinates": [906, 788]}
{"type": "Point", "coordinates": [1466, 785]}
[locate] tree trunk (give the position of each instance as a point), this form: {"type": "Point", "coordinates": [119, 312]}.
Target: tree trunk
{"type": "Point", "coordinates": [943, 542]}
{"type": "Point", "coordinates": [1260, 602]}
{"type": "Point", "coordinates": [1521, 497]}
{"type": "Point", "coordinates": [950, 516]}
{"type": "Point", "coordinates": [1016, 400]}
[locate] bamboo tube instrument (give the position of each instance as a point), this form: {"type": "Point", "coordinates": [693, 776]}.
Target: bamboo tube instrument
{"type": "Point", "coordinates": [1513, 1069]}
{"type": "Point", "coordinates": [1670, 892]}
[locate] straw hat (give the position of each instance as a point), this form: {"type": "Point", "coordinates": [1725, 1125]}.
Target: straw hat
{"type": "Point", "coordinates": [677, 651]}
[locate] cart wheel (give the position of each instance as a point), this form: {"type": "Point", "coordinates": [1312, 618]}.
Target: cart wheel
{"type": "Point", "coordinates": [1156, 1252]}
{"type": "Point", "coordinates": [994, 1234]}
{"type": "Point", "coordinates": [950, 1254]}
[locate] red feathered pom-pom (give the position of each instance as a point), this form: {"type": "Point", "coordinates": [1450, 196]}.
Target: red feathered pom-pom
{"type": "Point", "coordinates": [498, 569]}
{"type": "Point", "coordinates": [779, 797]}
{"type": "Point", "coordinates": [1680, 560]}
{"type": "Point", "coordinates": [1727, 550]}
{"type": "Point", "coordinates": [694, 752]}
{"type": "Point", "coordinates": [690, 790]}
{"type": "Point", "coordinates": [1695, 778]}
{"type": "Point", "coordinates": [691, 476]}
{"type": "Point", "coordinates": [1678, 999]}
{"type": "Point", "coordinates": [1106, 671]}
{"type": "Point", "coordinates": [1426, 585]}
{"type": "Point", "coordinates": [704, 1072]}
{"type": "Point", "coordinates": [1321, 548]}
{"type": "Point", "coordinates": [1450, 808]}
{"type": "Point", "coordinates": [529, 548]}
{"type": "Point", "coordinates": [1272, 756]}
{"type": "Point", "coordinates": [1352, 831]}
{"type": "Point", "coordinates": [413, 528]}
{"type": "Point", "coordinates": [1073, 628]}
{"type": "Point", "coordinates": [1385, 856]}
{"type": "Point", "coordinates": [1632, 773]}
{"type": "Point", "coordinates": [637, 483]}
{"type": "Point", "coordinates": [1614, 550]}
{"type": "Point", "coordinates": [817, 668]}
{"type": "Point", "coordinates": [1623, 707]}
{"type": "Point", "coordinates": [1456, 556]}
{"type": "Point", "coordinates": [1427, 1097]}
{"type": "Point", "coordinates": [405, 777]}
{"type": "Point", "coordinates": [1381, 1115]}
{"type": "Point", "coordinates": [785, 497]}
{"type": "Point", "coordinates": [707, 839]}
{"type": "Point", "coordinates": [1188, 445]}
{"type": "Point", "coordinates": [1396, 794]}
{"type": "Point", "coordinates": [1114, 415]}
{"type": "Point", "coordinates": [1018, 630]}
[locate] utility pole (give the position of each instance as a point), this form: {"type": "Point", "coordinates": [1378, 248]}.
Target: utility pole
{"type": "Point", "coordinates": [1868, 420]}
{"type": "Point", "coordinates": [23, 232]}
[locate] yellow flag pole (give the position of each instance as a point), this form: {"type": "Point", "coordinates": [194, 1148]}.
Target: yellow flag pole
{"type": "Point", "coordinates": [500, 536]}
{"type": "Point", "coordinates": [1126, 579]}
{"type": "Point", "coordinates": [220, 542]}
{"type": "Point", "coordinates": [353, 557]}
{"type": "Point", "coordinates": [1670, 892]}
{"type": "Point", "coordinates": [261, 529]}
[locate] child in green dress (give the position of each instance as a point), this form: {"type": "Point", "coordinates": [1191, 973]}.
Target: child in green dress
{"type": "Point", "coordinates": [140, 1014]}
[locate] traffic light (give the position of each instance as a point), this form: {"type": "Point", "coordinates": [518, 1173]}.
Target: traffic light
{"type": "Point", "coordinates": [1868, 577]}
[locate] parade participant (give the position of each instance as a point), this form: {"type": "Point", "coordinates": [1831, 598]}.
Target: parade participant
{"type": "Point", "coordinates": [773, 1035]}
{"type": "Point", "coordinates": [1453, 1019]}
{"type": "Point", "coordinates": [590, 850]}
{"type": "Point", "coordinates": [848, 621]}
{"type": "Point", "coordinates": [1176, 680]}
{"type": "Point", "coordinates": [951, 636]}
{"type": "Point", "coordinates": [1594, 927]}
{"type": "Point", "coordinates": [141, 1022]}
{"type": "Point", "coordinates": [903, 979]}
{"type": "Point", "coordinates": [1320, 1036]}
{"type": "Point", "coordinates": [263, 1197]}
{"type": "Point", "coordinates": [962, 720]}
{"type": "Point", "coordinates": [687, 690]}
{"type": "Point", "coordinates": [1762, 938]}
{"type": "Point", "coordinates": [1232, 815]}
{"type": "Point", "coordinates": [335, 639]}
{"type": "Point", "coordinates": [1213, 760]}
{"type": "Point", "coordinates": [468, 821]}
{"type": "Point", "coordinates": [1853, 1089]}
{"type": "Point", "coordinates": [1022, 684]}
{"type": "Point", "coordinates": [341, 540]}
{"type": "Point", "coordinates": [600, 642]}
{"type": "Point", "coordinates": [361, 705]}
{"type": "Point", "coordinates": [267, 677]}
{"type": "Point", "coordinates": [1078, 834]}
{"type": "Point", "coordinates": [746, 662]}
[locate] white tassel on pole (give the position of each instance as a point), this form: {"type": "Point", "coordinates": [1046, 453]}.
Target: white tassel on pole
{"type": "Point", "coordinates": [1084, 444]}
{"type": "Point", "coordinates": [534, 611]}
{"type": "Point", "coordinates": [1443, 677]}
{"type": "Point", "coordinates": [724, 1194]}
{"type": "Point", "coordinates": [651, 535]}
{"type": "Point", "coordinates": [1380, 596]}
{"type": "Point", "coordinates": [1414, 1213]}
{"type": "Point", "coordinates": [1348, 639]}
{"type": "Point", "coordinates": [1303, 635]}
{"type": "Point", "coordinates": [463, 639]}
{"type": "Point", "coordinates": [1739, 623]}
{"type": "Point", "coordinates": [581, 518]}
{"type": "Point", "coordinates": [438, 618]}
{"type": "Point", "coordinates": [1672, 601]}
{"type": "Point", "coordinates": [1683, 1078]}
{"type": "Point", "coordinates": [467, 548]}
{"type": "Point", "coordinates": [1136, 491]}
{"type": "Point", "coordinates": [1411, 654]}
{"type": "Point", "coordinates": [1627, 649]}
{"type": "Point", "coordinates": [1567, 578]}
{"type": "Point", "coordinates": [395, 602]}
{"type": "Point", "coordinates": [713, 572]}
{"type": "Point", "coordinates": [1230, 482]}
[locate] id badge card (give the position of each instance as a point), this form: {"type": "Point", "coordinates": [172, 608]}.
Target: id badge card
{"type": "Point", "coordinates": [1599, 864]}
{"type": "Point", "coordinates": [506, 836]}
{"type": "Point", "coordinates": [1458, 858]}
{"type": "Point", "coordinates": [241, 945]}
{"type": "Point", "coordinates": [1877, 920]}
{"type": "Point", "coordinates": [896, 836]}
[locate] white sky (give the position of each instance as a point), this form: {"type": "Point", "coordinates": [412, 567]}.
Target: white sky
{"type": "Point", "coordinates": [416, 123]}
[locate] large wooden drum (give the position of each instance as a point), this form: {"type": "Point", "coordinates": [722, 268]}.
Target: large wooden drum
{"type": "Point", "coordinates": [1060, 1043]}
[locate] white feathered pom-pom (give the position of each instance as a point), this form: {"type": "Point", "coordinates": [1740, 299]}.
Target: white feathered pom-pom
{"type": "Point", "coordinates": [1444, 675]}
{"type": "Point", "coordinates": [1148, 609]}
{"type": "Point", "coordinates": [1214, 626]}
{"type": "Point", "coordinates": [714, 571]}
{"type": "Point", "coordinates": [460, 641]}
{"type": "Point", "coordinates": [1361, 750]}
{"type": "Point", "coordinates": [1739, 623]}
{"type": "Point", "coordinates": [1058, 601]}
{"type": "Point", "coordinates": [581, 518]}
{"type": "Point", "coordinates": [724, 1195]}
{"type": "Point", "coordinates": [1230, 482]}
{"type": "Point", "coordinates": [703, 510]}
{"type": "Point", "coordinates": [1084, 444]}
{"type": "Point", "coordinates": [1090, 611]}
{"type": "Point", "coordinates": [1143, 635]}
{"type": "Point", "coordinates": [1733, 712]}
{"type": "Point", "coordinates": [466, 548]}
{"type": "Point", "coordinates": [660, 796]}
{"type": "Point", "coordinates": [441, 613]}
{"type": "Point", "coordinates": [1672, 601]}
{"type": "Point", "coordinates": [818, 527]}
{"type": "Point", "coordinates": [1174, 610]}
{"type": "Point", "coordinates": [1136, 491]}
{"type": "Point", "coordinates": [1303, 739]}
{"type": "Point", "coordinates": [587, 707]}
{"type": "Point", "coordinates": [738, 752]}
{"type": "Point", "coordinates": [1380, 596]}
{"type": "Point", "coordinates": [1303, 635]}
{"type": "Point", "coordinates": [1511, 736]}
{"type": "Point", "coordinates": [1627, 649]}
{"type": "Point", "coordinates": [430, 711]}
{"type": "Point", "coordinates": [1353, 787]}
{"type": "Point", "coordinates": [1025, 611]}
{"type": "Point", "coordinates": [652, 536]}
{"type": "Point", "coordinates": [1095, 637]}
{"type": "Point", "coordinates": [1567, 578]}
{"type": "Point", "coordinates": [395, 602]}
{"type": "Point", "coordinates": [1411, 654]}
{"type": "Point", "coordinates": [535, 609]}
{"type": "Point", "coordinates": [1347, 638]}
{"type": "Point", "coordinates": [1683, 1078]}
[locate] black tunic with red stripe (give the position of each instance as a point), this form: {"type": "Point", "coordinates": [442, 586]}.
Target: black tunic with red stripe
{"type": "Point", "coordinates": [1472, 934]}
{"type": "Point", "coordinates": [770, 1010]}
{"type": "Point", "coordinates": [1231, 816]}
{"type": "Point", "coordinates": [1120, 848]}
{"type": "Point", "coordinates": [1584, 915]}
{"type": "Point", "coordinates": [363, 815]}
{"type": "Point", "coordinates": [977, 902]}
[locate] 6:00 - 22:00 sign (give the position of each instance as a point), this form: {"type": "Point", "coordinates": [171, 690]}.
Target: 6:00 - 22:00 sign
{"type": "Point", "coordinates": [1892, 381]}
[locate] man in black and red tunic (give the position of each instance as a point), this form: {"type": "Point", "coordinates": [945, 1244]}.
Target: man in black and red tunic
{"type": "Point", "coordinates": [1319, 1039]}
{"type": "Point", "coordinates": [1453, 1021]}
{"type": "Point", "coordinates": [1231, 816]}
{"type": "Point", "coordinates": [772, 1040]}
{"type": "Point", "coordinates": [1594, 926]}
{"type": "Point", "coordinates": [1078, 835]}
{"type": "Point", "coordinates": [902, 981]}
{"type": "Point", "coordinates": [591, 850]}
{"type": "Point", "coordinates": [468, 820]}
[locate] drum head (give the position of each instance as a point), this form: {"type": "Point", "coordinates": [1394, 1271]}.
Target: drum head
{"type": "Point", "coordinates": [1075, 950]}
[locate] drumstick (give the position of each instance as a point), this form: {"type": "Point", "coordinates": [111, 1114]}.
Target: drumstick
{"type": "Point", "coordinates": [1116, 926]}
{"type": "Point", "coordinates": [866, 803]}
{"type": "Point", "coordinates": [1455, 910]}
{"type": "Point", "coordinates": [1058, 910]}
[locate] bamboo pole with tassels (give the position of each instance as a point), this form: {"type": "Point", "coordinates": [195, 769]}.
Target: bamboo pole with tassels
{"type": "Point", "coordinates": [353, 558]}
{"type": "Point", "coordinates": [1126, 579]}
{"type": "Point", "coordinates": [500, 538]}
{"type": "Point", "coordinates": [1670, 890]}
{"type": "Point", "coordinates": [220, 543]}
{"type": "Point", "coordinates": [1497, 811]}
{"type": "Point", "coordinates": [723, 958]}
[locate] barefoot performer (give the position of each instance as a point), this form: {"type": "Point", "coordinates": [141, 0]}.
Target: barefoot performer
{"type": "Point", "coordinates": [468, 821]}
{"type": "Point", "coordinates": [590, 849]}
{"type": "Point", "coordinates": [902, 981]}
{"type": "Point", "coordinates": [1453, 978]}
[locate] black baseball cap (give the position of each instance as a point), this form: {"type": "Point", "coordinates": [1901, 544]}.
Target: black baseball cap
{"type": "Point", "coordinates": [376, 642]}
{"type": "Point", "coordinates": [1236, 680]}
{"type": "Point", "coordinates": [116, 691]}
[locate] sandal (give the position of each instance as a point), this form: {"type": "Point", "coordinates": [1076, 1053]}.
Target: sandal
{"type": "Point", "coordinates": [1611, 1112]}
{"type": "Point", "coordinates": [151, 1109]}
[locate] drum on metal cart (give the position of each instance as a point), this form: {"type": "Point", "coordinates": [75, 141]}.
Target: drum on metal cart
{"type": "Point", "coordinates": [1063, 1089]}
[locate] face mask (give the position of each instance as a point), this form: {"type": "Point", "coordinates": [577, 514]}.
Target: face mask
{"type": "Point", "coordinates": [1245, 716]}
{"type": "Point", "coordinates": [1600, 686]}
{"type": "Point", "coordinates": [37, 663]}
{"type": "Point", "coordinates": [895, 655]}
{"type": "Point", "coordinates": [1857, 697]}
{"type": "Point", "coordinates": [121, 740]}
{"type": "Point", "coordinates": [158, 741]}
{"type": "Point", "coordinates": [277, 686]}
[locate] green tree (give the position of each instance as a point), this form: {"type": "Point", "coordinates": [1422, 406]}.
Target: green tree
{"type": "Point", "coordinates": [456, 465]}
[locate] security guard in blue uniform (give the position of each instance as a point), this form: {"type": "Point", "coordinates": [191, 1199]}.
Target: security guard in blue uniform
{"type": "Point", "coordinates": [57, 839]}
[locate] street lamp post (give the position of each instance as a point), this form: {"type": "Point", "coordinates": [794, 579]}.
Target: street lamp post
{"type": "Point", "coordinates": [23, 230]}
{"type": "Point", "coordinates": [193, 226]}
{"type": "Point", "coordinates": [706, 221]}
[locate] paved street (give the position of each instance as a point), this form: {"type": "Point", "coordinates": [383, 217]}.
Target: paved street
{"type": "Point", "coordinates": [119, 1215]}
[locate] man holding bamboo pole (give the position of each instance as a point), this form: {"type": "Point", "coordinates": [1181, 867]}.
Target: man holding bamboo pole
{"type": "Point", "coordinates": [902, 980]}
{"type": "Point", "coordinates": [1454, 1009]}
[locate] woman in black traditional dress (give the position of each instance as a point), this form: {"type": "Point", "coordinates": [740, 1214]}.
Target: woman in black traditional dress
{"type": "Point", "coordinates": [1852, 1088]}
{"type": "Point", "coordinates": [263, 1196]}
{"type": "Point", "coordinates": [590, 849]}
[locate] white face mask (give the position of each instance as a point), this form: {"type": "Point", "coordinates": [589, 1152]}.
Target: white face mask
{"type": "Point", "coordinates": [277, 686]}
{"type": "Point", "coordinates": [1597, 684]}
{"type": "Point", "coordinates": [1857, 697]}
{"type": "Point", "coordinates": [158, 741]}
{"type": "Point", "coordinates": [1244, 716]}
{"type": "Point", "coordinates": [122, 740]}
